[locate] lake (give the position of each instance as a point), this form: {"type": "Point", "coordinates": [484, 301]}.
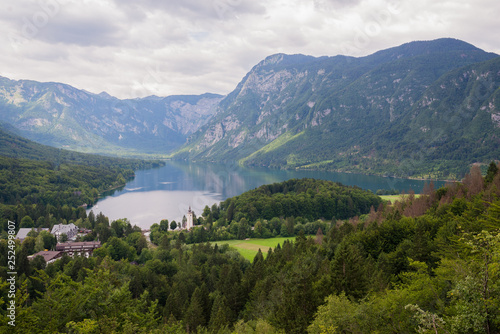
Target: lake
{"type": "Point", "coordinates": [167, 192]}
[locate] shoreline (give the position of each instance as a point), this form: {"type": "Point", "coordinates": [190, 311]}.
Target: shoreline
{"type": "Point", "coordinates": [370, 174]}
{"type": "Point", "coordinates": [302, 168]}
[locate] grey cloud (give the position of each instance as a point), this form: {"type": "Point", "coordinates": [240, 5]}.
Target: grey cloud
{"type": "Point", "coordinates": [82, 31]}
{"type": "Point", "coordinates": [58, 21]}
{"type": "Point", "coordinates": [334, 4]}
{"type": "Point", "coordinates": [194, 9]}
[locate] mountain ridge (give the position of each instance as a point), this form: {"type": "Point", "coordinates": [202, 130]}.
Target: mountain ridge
{"type": "Point", "coordinates": [375, 114]}
{"type": "Point", "coordinates": [14, 146]}
{"type": "Point", "coordinates": [308, 105]}
{"type": "Point", "coordinates": [60, 115]}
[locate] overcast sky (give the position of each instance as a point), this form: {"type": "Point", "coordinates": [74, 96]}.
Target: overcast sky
{"type": "Point", "coordinates": [136, 48]}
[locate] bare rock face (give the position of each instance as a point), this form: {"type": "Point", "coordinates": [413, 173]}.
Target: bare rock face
{"type": "Point", "coordinates": [293, 111]}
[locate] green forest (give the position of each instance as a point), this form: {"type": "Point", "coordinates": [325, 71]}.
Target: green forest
{"type": "Point", "coordinates": [279, 209]}
{"type": "Point", "coordinates": [426, 264]}
{"type": "Point", "coordinates": [41, 186]}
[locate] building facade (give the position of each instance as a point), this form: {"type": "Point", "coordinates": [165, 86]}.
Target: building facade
{"type": "Point", "coordinates": [190, 219]}
{"type": "Point", "coordinates": [70, 230]}
{"type": "Point", "coordinates": [85, 248]}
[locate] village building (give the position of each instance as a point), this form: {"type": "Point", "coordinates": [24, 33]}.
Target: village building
{"type": "Point", "coordinates": [48, 256]}
{"type": "Point", "coordinates": [23, 232]}
{"type": "Point", "coordinates": [84, 248]}
{"type": "Point", "coordinates": [70, 230]}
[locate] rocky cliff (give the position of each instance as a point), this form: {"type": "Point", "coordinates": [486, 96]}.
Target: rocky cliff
{"type": "Point", "coordinates": [398, 111]}
{"type": "Point", "coordinates": [63, 116]}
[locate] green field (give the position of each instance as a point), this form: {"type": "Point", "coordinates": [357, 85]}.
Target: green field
{"type": "Point", "coordinates": [394, 198]}
{"type": "Point", "coordinates": [249, 248]}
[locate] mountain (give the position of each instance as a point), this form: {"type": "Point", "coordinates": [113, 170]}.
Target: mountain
{"type": "Point", "coordinates": [14, 146]}
{"type": "Point", "coordinates": [412, 110]}
{"type": "Point", "coordinates": [63, 116]}
{"type": "Point", "coordinates": [31, 173]}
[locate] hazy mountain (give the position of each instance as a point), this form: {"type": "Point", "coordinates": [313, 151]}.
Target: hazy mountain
{"type": "Point", "coordinates": [14, 146]}
{"type": "Point", "coordinates": [419, 109]}
{"type": "Point", "coordinates": [63, 116]}
{"type": "Point", "coordinates": [416, 109]}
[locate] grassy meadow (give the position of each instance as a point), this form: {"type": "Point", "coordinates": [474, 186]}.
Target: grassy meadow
{"type": "Point", "coordinates": [394, 198]}
{"type": "Point", "coordinates": [249, 248]}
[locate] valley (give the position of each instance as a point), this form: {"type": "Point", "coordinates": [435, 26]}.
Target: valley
{"type": "Point", "coordinates": [427, 109]}
{"type": "Point", "coordinates": [259, 211]}
{"type": "Point", "coordinates": [415, 110]}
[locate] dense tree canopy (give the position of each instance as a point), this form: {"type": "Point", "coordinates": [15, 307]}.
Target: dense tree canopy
{"type": "Point", "coordinates": [281, 209]}
{"type": "Point", "coordinates": [425, 264]}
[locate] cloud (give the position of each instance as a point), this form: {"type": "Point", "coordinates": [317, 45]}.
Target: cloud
{"type": "Point", "coordinates": [87, 31]}
{"type": "Point", "coordinates": [195, 10]}
{"type": "Point", "coordinates": [59, 21]}
{"type": "Point", "coordinates": [138, 48]}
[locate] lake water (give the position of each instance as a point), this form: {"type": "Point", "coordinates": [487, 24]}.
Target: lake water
{"type": "Point", "coordinates": [167, 192]}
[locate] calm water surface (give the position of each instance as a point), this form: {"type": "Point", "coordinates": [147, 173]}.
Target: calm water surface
{"type": "Point", "coordinates": [167, 192]}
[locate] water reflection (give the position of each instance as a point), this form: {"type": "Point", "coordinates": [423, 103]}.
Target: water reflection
{"type": "Point", "coordinates": [167, 192]}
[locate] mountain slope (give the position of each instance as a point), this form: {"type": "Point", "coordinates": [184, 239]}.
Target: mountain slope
{"type": "Point", "coordinates": [63, 116]}
{"type": "Point", "coordinates": [14, 146]}
{"type": "Point", "coordinates": [353, 114]}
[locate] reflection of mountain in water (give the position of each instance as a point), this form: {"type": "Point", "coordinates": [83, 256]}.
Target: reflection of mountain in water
{"type": "Point", "coordinates": [231, 179]}
{"type": "Point", "coordinates": [167, 192]}
{"type": "Point", "coordinates": [133, 189]}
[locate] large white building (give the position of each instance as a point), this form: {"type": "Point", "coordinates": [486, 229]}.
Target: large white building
{"type": "Point", "coordinates": [70, 230]}
{"type": "Point", "coordinates": [190, 220]}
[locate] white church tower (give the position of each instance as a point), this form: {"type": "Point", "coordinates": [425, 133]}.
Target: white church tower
{"type": "Point", "coordinates": [189, 223]}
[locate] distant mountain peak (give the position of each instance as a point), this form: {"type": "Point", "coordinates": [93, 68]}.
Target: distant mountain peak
{"type": "Point", "coordinates": [444, 42]}
{"type": "Point", "coordinates": [353, 114]}
{"type": "Point", "coordinates": [423, 47]}
{"type": "Point", "coordinates": [105, 95]}
{"type": "Point", "coordinates": [63, 116]}
{"type": "Point", "coordinates": [285, 59]}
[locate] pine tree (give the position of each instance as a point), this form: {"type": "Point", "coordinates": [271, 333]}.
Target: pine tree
{"type": "Point", "coordinates": [206, 303]}
{"type": "Point", "coordinates": [347, 269]}
{"type": "Point", "coordinates": [492, 171]}
{"type": "Point", "coordinates": [230, 212]}
{"type": "Point", "coordinates": [194, 313]}
{"type": "Point", "coordinates": [23, 265]}
{"type": "Point", "coordinates": [319, 236]}
{"type": "Point", "coordinates": [230, 285]}
{"type": "Point", "coordinates": [220, 315]}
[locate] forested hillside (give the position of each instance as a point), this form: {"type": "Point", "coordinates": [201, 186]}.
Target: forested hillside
{"type": "Point", "coordinates": [422, 265]}
{"type": "Point", "coordinates": [422, 109]}
{"type": "Point", "coordinates": [14, 146]}
{"type": "Point", "coordinates": [280, 209]}
{"type": "Point", "coordinates": [37, 181]}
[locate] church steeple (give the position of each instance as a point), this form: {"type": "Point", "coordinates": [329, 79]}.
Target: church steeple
{"type": "Point", "coordinates": [190, 220]}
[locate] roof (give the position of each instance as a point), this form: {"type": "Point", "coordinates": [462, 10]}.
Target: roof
{"type": "Point", "coordinates": [60, 228]}
{"type": "Point", "coordinates": [23, 232]}
{"type": "Point", "coordinates": [47, 255]}
{"type": "Point", "coordinates": [84, 245]}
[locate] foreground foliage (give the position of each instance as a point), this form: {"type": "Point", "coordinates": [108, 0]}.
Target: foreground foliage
{"type": "Point", "coordinates": [422, 265]}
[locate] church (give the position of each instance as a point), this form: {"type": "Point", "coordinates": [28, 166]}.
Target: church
{"type": "Point", "coordinates": [190, 220]}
